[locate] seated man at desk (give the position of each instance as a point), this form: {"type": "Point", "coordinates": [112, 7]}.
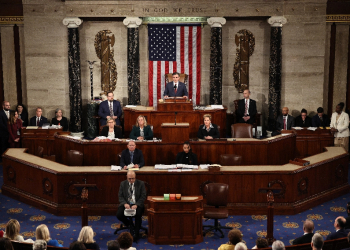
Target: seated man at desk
{"type": "Point", "coordinates": [208, 130]}
{"type": "Point", "coordinates": [132, 195]}
{"type": "Point", "coordinates": [132, 155]}
{"type": "Point", "coordinates": [141, 131]}
{"type": "Point", "coordinates": [285, 121]}
{"type": "Point", "coordinates": [38, 120]}
{"type": "Point", "coordinates": [186, 156]}
{"type": "Point", "coordinates": [175, 88]}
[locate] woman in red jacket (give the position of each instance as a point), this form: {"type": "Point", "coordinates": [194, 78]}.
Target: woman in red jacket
{"type": "Point", "coordinates": [14, 127]}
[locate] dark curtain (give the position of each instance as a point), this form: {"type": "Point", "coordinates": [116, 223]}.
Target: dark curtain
{"type": "Point", "coordinates": [275, 76]}
{"type": "Point", "coordinates": [133, 67]}
{"type": "Point", "coordinates": [75, 100]}
{"type": "Point", "coordinates": [216, 66]}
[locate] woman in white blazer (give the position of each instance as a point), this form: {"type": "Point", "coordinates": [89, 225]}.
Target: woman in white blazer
{"type": "Point", "coordinates": [340, 127]}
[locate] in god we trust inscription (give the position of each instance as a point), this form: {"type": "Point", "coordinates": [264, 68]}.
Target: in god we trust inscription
{"type": "Point", "coordinates": [174, 10]}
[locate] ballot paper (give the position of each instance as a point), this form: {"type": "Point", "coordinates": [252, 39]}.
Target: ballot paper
{"type": "Point", "coordinates": [129, 212]}
{"type": "Point", "coordinates": [131, 165]}
{"type": "Point", "coordinates": [186, 169]}
{"type": "Point", "coordinates": [217, 107]}
{"type": "Point", "coordinates": [185, 166]}
{"type": "Point", "coordinates": [297, 128]}
{"type": "Point", "coordinates": [116, 168]}
{"type": "Point", "coordinates": [204, 166]}
{"type": "Point", "coordinates": [174, 170]}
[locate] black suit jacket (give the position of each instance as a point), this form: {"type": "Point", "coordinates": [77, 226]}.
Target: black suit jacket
{"type": "Point", "coordinates": [117, 132]}
{"type": "Point", "coordinates": [213, 132]}
{"type": "Point", "coordinates": [251, 110]}
{"type": "Point", "coordinates": [103, 111]}
{"type": "Point", "coordinates": [299, 122]}
{"type": "Point", "coordinates": [290, 122]}
{"type": "Point", "coordinates": [3, 124]}
{"type": "Point", "coordinates": [138, 158]}
{"type": "Point", "coordinates": [140, 193]}
{"type": "Point", "coordinates": [316, 121]}
{"type": "Point", "coordinates": [306, 238]}
{"type": "Point", "coordinates": [340, 234]}
{"type": "Point", "coordinates": [181, 90]}
{"type": "Point", "coordinates": [191, 160]}
{"type": "Point", "coordinates": [42, 121]}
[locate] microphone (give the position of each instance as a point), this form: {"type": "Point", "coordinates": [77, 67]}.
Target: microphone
{"type": "Point", "coordinates": [175, 117]}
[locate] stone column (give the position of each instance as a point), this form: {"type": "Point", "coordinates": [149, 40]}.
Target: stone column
{"type": "Point", "coordinates": [133, 23]}
{"type": "Point", "coordinates": [75, 99]}
{"type": "Point", "coordinates": [275, 74]}
{"type": "Point", "coordinates": [9, 64]}
{"type": "Point", "coordinates": [216, 59]}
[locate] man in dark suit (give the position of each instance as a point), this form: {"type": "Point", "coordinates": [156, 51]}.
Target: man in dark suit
{"type": "Point", "coordinates": [285, 121]}
{"type": "Point", "coordinates": [132, 195]}
{"type": "Point", "coordinates": [347, 224]}
{"type": "Point", "coordinates": [303, 120]}
{"type": "Point", "coordinates": [132, 155]}
{"type": "Point", "coordinates": [317, 242]}
{"type": "Point", "coordinates": [321, 119]}
{"type": "Point", "coordinates": [38, 120]}
{"type": "Point", "coordinates": [308, 228]}
{"type": "Point", "coordinates": [4, 133]}
{"type": "Point", "coordinates": [110, 108]}
{"type": "Point", "coordinates": [341, 232]}
{"type": "Point", "coordinates": [175, 88]}
{"type": "Point", "coordinates": [246, 109]}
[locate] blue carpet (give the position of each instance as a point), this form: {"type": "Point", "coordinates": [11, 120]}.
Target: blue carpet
{"type": "Point", "coordinates": [66, 229]}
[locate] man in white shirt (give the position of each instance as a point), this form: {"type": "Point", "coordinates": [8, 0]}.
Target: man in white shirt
{"type": "Point", "coordinates": [4, 134]}
{"type": "Point", "coordinates": [340, 127]}
{"type": "Point", "coordinates": [285, 121]}
{"type": "Point", "coordinates": [175, 88]}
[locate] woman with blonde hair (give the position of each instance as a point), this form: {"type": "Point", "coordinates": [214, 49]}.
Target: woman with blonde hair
{"type": "Point", "coordinates": [141, 131]}
{"type": "Point", "coordinates": [12, 230]}
{"type": "Point", "coordinates": [111, 130]}
{"type": "Point", "coordinates": [86, 236]}
{"type": "Point", "coordinates": [42, 233]}
{"type": "Point", "coordinates": [208, 130]}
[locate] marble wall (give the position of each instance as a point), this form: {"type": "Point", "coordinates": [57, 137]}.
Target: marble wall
{"type": "Point", "coordinates": [304, 49]}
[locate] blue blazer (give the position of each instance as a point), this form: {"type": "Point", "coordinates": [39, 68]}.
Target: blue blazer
{"type": "Point", "coordinates": [103, 112]}
{"type": "Point", "coordinates": [42, 121]}
{"type": "Point", "coordinates": [181, 90]}
{"type": "Point", "coordinates": [138, 158]}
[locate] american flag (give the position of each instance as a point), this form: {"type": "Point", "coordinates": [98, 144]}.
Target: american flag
{"type": "Point", "coordinates": [172, 49]}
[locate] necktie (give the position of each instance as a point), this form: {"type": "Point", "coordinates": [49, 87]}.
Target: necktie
{"type": "Point", "coordinates": [37, 121]}
{"type": "Point", "coordinates": [284, 123]}
{"type": "Point", "coordinates": [130, 193]}
{"type": "Point", "coordinates": [175, 88]}
{"type": "Point", "coordinates": [246, 107]}
{"type": "Point", "coordinates": [132, 157]}
{"type": "Point", "coordinates": [110, 109]}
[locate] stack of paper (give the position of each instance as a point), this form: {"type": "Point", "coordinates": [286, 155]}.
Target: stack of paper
{"type": "Point", "coordinates": [204, 166]}
{"type": "Point", "coordinates": [164, 167]}
{"type": "Point", "coordinates": [184, 166]}
{"type": "Point", "coordinates": [116, 168]}
{"type": "Point", "coordinates": [312, 128]}
{"type": "Point", "coordinates": [297, 128]}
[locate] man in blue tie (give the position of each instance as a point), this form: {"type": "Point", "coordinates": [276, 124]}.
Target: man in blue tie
{"type": "Point", "coordinates": [132, 155]}
{"type": "Point", "coordinates": [132, 195]}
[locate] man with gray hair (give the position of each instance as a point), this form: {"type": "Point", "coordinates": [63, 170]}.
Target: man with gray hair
{"type": "Point", "coordinates": [317, 242]}
{"type": "Point", "coordinates": [240, 246]}
{"type": "Point", "coordinates": [278, 245]}
{"type": "Point", "coordinates": [308, 228]}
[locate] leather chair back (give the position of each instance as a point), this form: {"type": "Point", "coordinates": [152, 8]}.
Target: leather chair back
{"type": "Point", "coordinates": [183, 78]}
{"type": "Point", "coordinates": [40, 151]}
{"type": "Point", "coordinates": [101, 128]}
{"type": "Point", "coordinates": [75, 158]}
{"type": "Point", "coordinates": [216, 194]}
{"type": "Point", "coordinates": [230, 160]}
{"type": "Point", "coordinates": [242, 130]}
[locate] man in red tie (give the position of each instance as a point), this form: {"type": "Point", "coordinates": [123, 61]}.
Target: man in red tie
{"type": "Point", "coordinates": [246, 109]}
{"type": "Point", "coordinates": [175, 88]}
{"type": "Point", "coordinates": [38, 119]}
{"type": "Point", "coordinates": [285, 121]}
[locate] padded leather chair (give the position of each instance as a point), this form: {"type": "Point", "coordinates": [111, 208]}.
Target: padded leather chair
{"type": "Point", "coordinates": [216, 195]}
{"type": "Point", "coordinates": [101, 127]}
{"type": "Point", "coordinates": [40, 151]}
{"type": "Point", "coordinates": [242, 130]}
{"type": "Point", "coordinates": [230, 160]}
{"type": "Point", "coordinates": [183, 78]}
{"type": "Point", "coordinates": [75, 158]}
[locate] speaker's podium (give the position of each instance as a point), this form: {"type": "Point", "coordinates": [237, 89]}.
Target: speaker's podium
{"type": "Point", "coordinates": [175, 104]}
{"type": "Point", "coordinates": [175, 221]}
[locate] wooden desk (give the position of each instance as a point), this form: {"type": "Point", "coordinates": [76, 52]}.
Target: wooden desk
{"type": "Point", "coordinates": [175, 221]}
{"type": "Point", "coordinates": [270, 151]}
{"type": "Point", "coordinates": [175, 133]}
{"type": "Point", "coordinates": [156, 118]}
{"type": "Point", "coordinates": [49, 185]}
{"type": "Point", "coordinates": [33, 138]}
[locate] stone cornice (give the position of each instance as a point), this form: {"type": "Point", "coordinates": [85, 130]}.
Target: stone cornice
{"type": "Point", "coordinates": [11, 20]}
{"type": "Point", "coordinates": [277, 21]}
{"type": "Point", "coordinates": [338, 18]}
{"type": "Point", "coordinates": [147, 20]}
{"type": "Point", "coordinates": [72, 22]}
